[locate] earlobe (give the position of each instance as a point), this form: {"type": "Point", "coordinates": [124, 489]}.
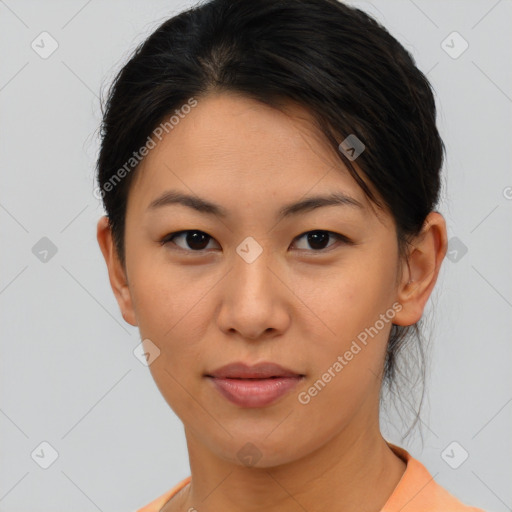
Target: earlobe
{"type": "Point", "coordinates": [116, 272]}
{"type": "Point", "coordinates": [422, 269]}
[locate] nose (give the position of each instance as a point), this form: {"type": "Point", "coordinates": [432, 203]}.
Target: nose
{"type": "Point", "coordinates": [254, 299]}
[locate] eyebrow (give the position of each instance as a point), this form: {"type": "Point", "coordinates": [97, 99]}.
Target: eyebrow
{"type": "Point", "coordinates": [201, 205]}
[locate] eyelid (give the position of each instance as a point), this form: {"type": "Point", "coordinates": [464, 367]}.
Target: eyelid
{"type": "Point", "coordinates": [167, 239]}
{"type": "Point", "coordinates": [339, 237]}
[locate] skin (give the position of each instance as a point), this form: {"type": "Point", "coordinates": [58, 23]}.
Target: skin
{"type": "Point", "coordinates": [296, 305]}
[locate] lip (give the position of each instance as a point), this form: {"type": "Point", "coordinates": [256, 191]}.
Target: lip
{"type": "Point", "coordinates": [254, 386]}
{"type": "Point", "coordinates": [262, 370]}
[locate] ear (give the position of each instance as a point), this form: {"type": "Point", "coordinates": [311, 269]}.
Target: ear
{"type": "Point", "coordinates": [116, 271]}
{"type": "Point", "coordinates": [420, 271]}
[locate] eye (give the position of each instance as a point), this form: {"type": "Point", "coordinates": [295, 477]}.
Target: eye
{"type": "Point", "coordinates": [197, 241]}
{"type": "Point", "coordinates": [319, 238]}
{"type": "Point", "coordinates": [194, 239]}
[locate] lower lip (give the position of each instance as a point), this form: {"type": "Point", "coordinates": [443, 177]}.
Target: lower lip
{"type": "Point", "coordinates": [255, 392]}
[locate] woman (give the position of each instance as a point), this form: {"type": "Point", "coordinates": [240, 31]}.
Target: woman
{"type": "Point", "coordinates": [270, 172]}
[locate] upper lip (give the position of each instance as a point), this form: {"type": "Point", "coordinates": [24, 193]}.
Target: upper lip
{"type": "Point", "coordinates": [241, 370]}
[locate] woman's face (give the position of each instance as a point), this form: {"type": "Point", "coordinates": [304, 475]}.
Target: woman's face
{"type": "Point", "coordinates": [252, 286]}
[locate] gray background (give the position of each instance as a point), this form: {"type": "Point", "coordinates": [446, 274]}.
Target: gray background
{"type": "Point", "coordinates": [67, 369]}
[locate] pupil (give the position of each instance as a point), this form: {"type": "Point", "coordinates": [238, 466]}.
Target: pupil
{"type": "Point", "coordinates": [196, 240]}
{"type": "Point", "coordinates": [316, 238]}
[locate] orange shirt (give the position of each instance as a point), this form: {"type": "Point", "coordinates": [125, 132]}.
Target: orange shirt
{"type": "Point", "coordinates": [416, 491]}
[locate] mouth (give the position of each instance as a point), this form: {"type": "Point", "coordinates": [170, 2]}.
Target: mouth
{"type": "Point", "coordinates": [254, 386]}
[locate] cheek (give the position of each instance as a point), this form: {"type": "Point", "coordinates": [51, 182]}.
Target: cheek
{"type": "Point", "coordinates": [167, 298]}
{"type": "Point", "coordinates": [348, 306]}
{"type": "Point", "coordinates": [347, 360]}
{"type": "Point", "coordinates": [173, 312]}
{"type": "Point", "coordinates": [350, 298]}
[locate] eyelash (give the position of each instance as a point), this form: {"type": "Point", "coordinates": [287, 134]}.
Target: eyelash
{"type": "Point", "coordinates": [167, 239]}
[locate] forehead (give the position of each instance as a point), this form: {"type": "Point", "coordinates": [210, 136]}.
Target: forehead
{"type": "Point", "coordinates": [231, 148]}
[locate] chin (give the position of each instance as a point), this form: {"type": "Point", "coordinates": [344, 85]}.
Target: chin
{"type": "Point", "coordinates": [261, 451]}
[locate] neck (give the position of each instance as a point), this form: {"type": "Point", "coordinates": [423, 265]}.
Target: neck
{"type": "Point", "coordinates": [338, 476]}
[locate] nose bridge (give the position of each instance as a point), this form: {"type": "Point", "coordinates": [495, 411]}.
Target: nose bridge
{"type": "Point", "coordinates": [251, 267]}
